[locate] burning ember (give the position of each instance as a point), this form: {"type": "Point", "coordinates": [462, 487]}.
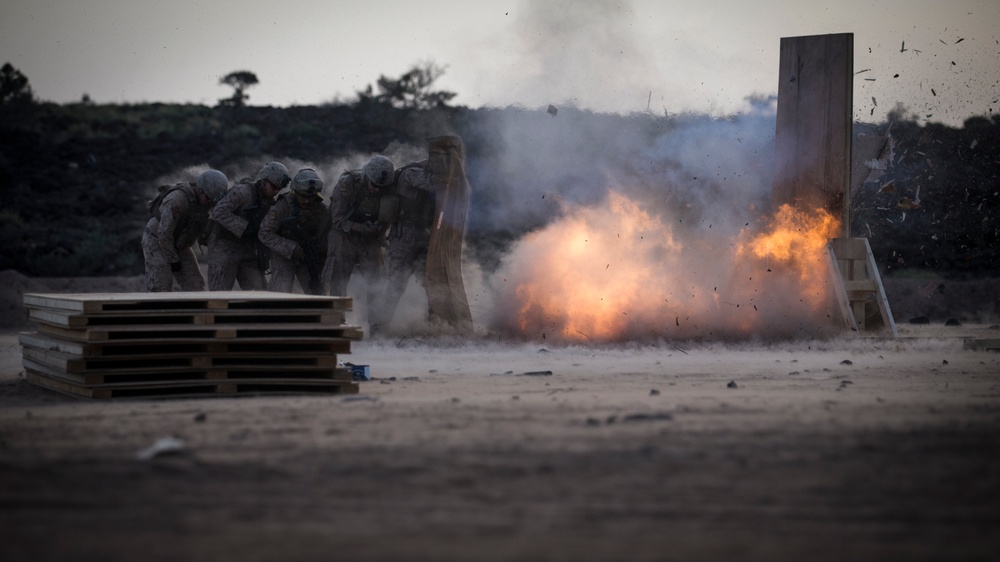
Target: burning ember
{"type": "Point", "coordinates": [618, 273]}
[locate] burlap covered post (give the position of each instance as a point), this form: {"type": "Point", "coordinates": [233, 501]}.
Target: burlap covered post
{"type": "Point", "coordinates": [446, 296]}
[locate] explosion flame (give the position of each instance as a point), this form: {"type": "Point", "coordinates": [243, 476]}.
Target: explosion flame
{"type": "Point", "coordinates": [617, 273]}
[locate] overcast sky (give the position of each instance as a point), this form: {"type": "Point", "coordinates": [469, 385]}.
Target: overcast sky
{"type": "Point", "coordinates": [664, 56]}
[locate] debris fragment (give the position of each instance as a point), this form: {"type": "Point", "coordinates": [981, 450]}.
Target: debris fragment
{"type": "Point", "coordinates": [902, 49]}
{"type": "Point", "coordinates": [847, 362]}
{"type": "Point", "coordinates": [908, 204]}
{"type": "Point", "coordinates": [732, 384]}
{"type": "Point", "coordinates": [654, 392]}
{"type": "Point", "coordinates": [553, 110]}
{"type": "Point", "coordinates": [537, 373]}
{"type": "Point", "coordinates": [164, 446]}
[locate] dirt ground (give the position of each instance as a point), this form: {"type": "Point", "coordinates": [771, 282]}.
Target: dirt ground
{"type": "Point", "coordinates": [845, 449]}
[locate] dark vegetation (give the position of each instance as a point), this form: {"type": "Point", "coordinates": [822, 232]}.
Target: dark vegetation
{"type": "Point", "coordinates": [75, 178]}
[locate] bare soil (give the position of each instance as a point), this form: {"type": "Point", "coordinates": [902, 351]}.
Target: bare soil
{"type": "Point", "coordinates": [846, 449]}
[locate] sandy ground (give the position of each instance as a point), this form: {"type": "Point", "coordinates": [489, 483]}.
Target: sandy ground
{"type": "Point", "coordinates": [851, 449]}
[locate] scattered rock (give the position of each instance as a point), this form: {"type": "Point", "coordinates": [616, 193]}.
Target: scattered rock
{"type": "Point", "coordinates": [654, 392]}
{"type": "Point", "coordinates": [847, 362]}
{"type": "Point", "coordinates": [732, 384]}
{"type": "Point", "coordinates": [952, 322]}
{"type": "Point", "coordinates": [201, 417]}
{"type": "Point", "coordinates": [538, 373]}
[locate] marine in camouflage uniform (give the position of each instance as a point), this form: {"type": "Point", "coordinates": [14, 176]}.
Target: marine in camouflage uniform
{"type": "Point", "coordinates": [295, 230]}
{"type": "Point", "coordinates": [358, 225]}
{"type": "Point", "coordinates": [235, 252]}
{"type": "Point", "coordinates": [179, 217]}
{"type": "Point", "coordinates": [410, 235]}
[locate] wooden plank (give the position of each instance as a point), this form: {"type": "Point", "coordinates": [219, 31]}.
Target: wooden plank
{"type": "Point", "coordinates": [176, 362]}
{"type": "Point", "coordinates": [191, 300]}
{"type": "Point", "coordinates": [861, 285]}
{"type": "Point", "coordinates": [156, 346]}
{"type": "Point", "coordinates": [836, 278]}
{"type": "Point", "coordinates": [880, 298]}
{"type": "Point", "coordinates": [215, 331]}
{"type": "Point", "coordinates": [193, 389]}
{"type": "Point", "coordinates": [155, 375]}
{"type": "Point", "coordinates": [67, 319]}
{"type": "Point", "coordinates": [813, 130]}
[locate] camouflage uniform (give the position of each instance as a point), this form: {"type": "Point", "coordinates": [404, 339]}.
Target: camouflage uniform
{"type": "Point", "coordinates": [233, 252]}
{"type": "Point", "coordinates": [352, 206]}
{"type": "Point", "coordinates": [175, 226]}
{"type": "Point", "coordinates": [410, 234]}
{"type": "Point", "coordinates": [288, 225]}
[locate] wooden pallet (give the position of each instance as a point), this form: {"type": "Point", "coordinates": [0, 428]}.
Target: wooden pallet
{"type": "Point", "coordinates": [188, 344]}
{"type": "Point", "coordinates": [173, 374]}
{"type": "Point", "coordinates": [208, 332]}
{"type": "Point", "coordinates": [158, 303]}
{"type": "Point", "coordinates": [283, 346]}
{"type": "Point", "coordinates": [67, 319]}
{"type": "Point", "coordinates": [192, 388]}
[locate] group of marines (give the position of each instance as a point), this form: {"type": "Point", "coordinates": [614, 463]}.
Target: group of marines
{"type": "Point", "coordinates": [266, 233]}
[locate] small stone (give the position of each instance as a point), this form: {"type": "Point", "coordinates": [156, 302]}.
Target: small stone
{"type": "Point", "coordinates": [201, 417]}
{"type": "Point", "coordinates": [654, 392]}
{"type": "Point", "coordinates": [847, 362]}
{"type": "Point", "coordinates": [732, 384]}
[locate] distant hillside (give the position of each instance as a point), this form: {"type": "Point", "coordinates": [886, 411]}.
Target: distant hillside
{"type": "Point", "coordinates": [74, 179]}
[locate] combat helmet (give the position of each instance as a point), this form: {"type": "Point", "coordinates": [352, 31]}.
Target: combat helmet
{"type": "Point", "coordinates": [379, 170]}
{"type": "Point", "coordinates": [307, 182]}
{"type": "Point", "coordinates": [275, 173]}
{"type": "Point", "coordinates": [213, 184]}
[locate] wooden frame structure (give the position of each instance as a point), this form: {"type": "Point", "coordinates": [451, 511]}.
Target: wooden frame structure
{"type": "Point", "coordinates": [856, 282]}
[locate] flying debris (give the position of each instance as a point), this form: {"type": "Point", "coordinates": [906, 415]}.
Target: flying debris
{"type": "Point", "coordinates": [874, 102]}
{"type": "Point", "coordinates": [888, 187]}
{"type": "Point", "coordinates": [553, 110]}
{"type": "Point", "coordinates": [933, 92]}
{"type": "Point", "coordinates": [960, 40]}
{"type": "Point", "coordinates": [903, 48]}
{"type": "Point", "coordinates": [908, 204]}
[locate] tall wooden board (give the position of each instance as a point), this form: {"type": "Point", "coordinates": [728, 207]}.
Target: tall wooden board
{"type": "Point", "coordinates": [813, 131]}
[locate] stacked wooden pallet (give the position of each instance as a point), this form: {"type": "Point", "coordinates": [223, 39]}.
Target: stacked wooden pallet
{"type": "Point", "coordinates": [116, 345]}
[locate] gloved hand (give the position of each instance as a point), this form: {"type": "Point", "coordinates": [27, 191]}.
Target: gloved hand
{"type": "Point", "coordinates": [175, 266]}
{"type": "Point", "coordinates": [298, 254]}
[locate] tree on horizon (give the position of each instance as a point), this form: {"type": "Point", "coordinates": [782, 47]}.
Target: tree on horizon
{"type": "Point", "coordinates": [239, 80]}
